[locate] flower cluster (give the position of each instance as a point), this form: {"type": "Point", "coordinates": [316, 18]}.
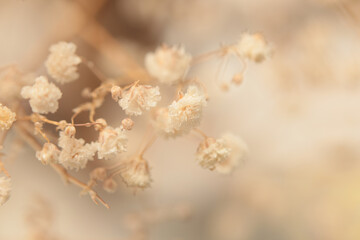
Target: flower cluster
{"type": "Point", "coordinates": [7, 117]}
{"type": "Point", "coordinates": [223, 154]}
{"type": "Point", "coordinates": [136, 173]}
{"type": "Point", "coordinates": [75, 153]}
{"type": "Point", "coordinates": [182, 115]}
{"type": "Point", "coordinates": [139, 98]}
{"type": "Point", "coordinates": [44, 96]}
{"type": "Point", "coordinates": [62, 62]}
{"type": "Point", "coordinates": [48, 154]}
{"type": "Point", "coordinates": [253, 47]}
{"type": "Point", "coordinates": [112, 141]}
{"type": "Point", "coordinates": [168, 64]}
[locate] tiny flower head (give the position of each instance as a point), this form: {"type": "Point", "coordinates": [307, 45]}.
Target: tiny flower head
{"type": "Point", "coordinates": [211, 152]}
{"type": "Point", "coordinates": [7, 117]}
{"type": "Point", "coordinates": [139, 98]}
{"type": "Point", "coordinates": [136, 173]}
{"type": "Point", "coordinates": [44, 96]}
{"type": "Point", "coordinates": [62, 62]}
{"type": "Point", "coordinates": [168, 64]}
{"type": "Point", "coordinates": [253, 47]}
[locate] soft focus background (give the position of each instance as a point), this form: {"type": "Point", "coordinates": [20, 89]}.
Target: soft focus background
{"type": "Point", "coordinates": [299, 112]}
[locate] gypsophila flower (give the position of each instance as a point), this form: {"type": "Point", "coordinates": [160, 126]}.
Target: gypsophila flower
{"type": "Point", "coordinates": [253, 47]}
{"type": "Point", "coordinates": [127, 124]}
{"type": "Point", "coordinates": [168, 64]}
{"type": "Point", "coordinates": [62, 62]}
{"type": "Point", "coordinates": [238, 150]}
{"type": "Point", "coordinates": [5, 189]}
{"type": "Point", "coordinates": [211, 152]}
{"type": "Point", "coordinates": [112, 141]}
{"type": "Point", "coordinates": [74, 152]}
{"type": "Point", "coordinates": [182, 115]}
{"type": "Point", "coordinates": [139, 98]}
{"type": "Point", "coordinates": [136, 173]}
{"type": "Point", "coordinates": [110, 185]}
{"type": "Point", "coordinates": [7, 117]}
{"type": "Point", "coordinates": [48, 154]}
{"type": "Point", "coordinates": [43, 96]}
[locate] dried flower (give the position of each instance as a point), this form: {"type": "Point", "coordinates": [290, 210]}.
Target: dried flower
{"type": "Point", "coordinates": [237, 79]}
{"type": "Point", "coordinates": [100, 124]}
{"type": "Point", "coordinates": [253, 46]}
{"type": "Point", "coordinates": [99, 174]}
{"type": "Point", "coordinates": [139, 98]}
{"type": "Point", "coordinates": [136, 173]}
{"type": "Point", "coordinates": [74, 152]}
{"type": "Point", "coordinates": [112, 141]}
{"type": "Point", "coordinates": [116, 93]}
{"type": "Point", "coordinates": [5, 189]}
{"type": "Point", "coordinates": [127, 124]}
{"type": "Point", "coordinates": [182, 115]}
{"type": "Point", "coordinates": [168, 64]}
{"type": "Point", "coordinates": [49, 154]}
{"type": "Point", "coordinates": [211, 152]}
{"type": "Point", "coordinates": [238, 149]}
{"type": "Point", "coordinates": [62, 62]}
{"type": "Point", "coordinates": [110, 185]}
{"type": "Point", "coordinates": [7, 117]}
{"type": "Point", "coordinates": [43, 96]}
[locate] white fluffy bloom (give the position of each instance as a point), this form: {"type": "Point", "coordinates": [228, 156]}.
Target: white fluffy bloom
{"type": "Point", "coordinates": [168, 64]}
{"type": "Point", "coordinates": [253, 46]}
{"type": "Point", "coordinates": [7, 117]}
{"type": "Point", "coordinates": [136, 173]}
{"type": "Point", "coordinates": [211, 152]}
{"type": "Point", "coordinates": [48, 154]}
{"type": "Point", "coordinates": [139, 98]}
{"type": "Point", "coordinates": [62, 62]}
{"type": "Point", "coordinates": [74, 152]}
{"type": "Point", "coordinates": [5, 189]}
{"type": "Point", "coordinates": [43, 96]}
{"type": "Point", "coordinates": [238, 150]}
{"type": "Point", "coordinates": [182, 115]}
{"type": "Point", "coordinates": [112, 141]}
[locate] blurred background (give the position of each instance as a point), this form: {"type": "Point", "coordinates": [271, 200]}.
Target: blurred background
{"type": "Point", "coordinates": [299, 113]}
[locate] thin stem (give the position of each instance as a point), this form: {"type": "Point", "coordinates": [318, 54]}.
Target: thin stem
{"type": "Point", "coordinates": [200, 58]}
{"type": "Point", "coordinates": [91, 66]}
{"type": "Point", "coordinates": [148, 145]}
{"type": "Point", "coordinates": [201, 133]}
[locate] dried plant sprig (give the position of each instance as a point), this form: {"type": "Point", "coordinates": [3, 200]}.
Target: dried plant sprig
{"type": "Point", "coordinates": [33, 142]}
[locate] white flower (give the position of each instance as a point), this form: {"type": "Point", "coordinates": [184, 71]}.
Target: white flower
{"type": "Point", "coordinates": [139, 98]}
{"type": "Point", "coordinates": [62, 62]}
{"type": "Point", "coordinates": [168, 64]}
{"type": "Point", "coordinates": [48, 154]}
{"type": "Point", "coordinates": [5, 189]}
{"type": "Point", "coordinates": [211, 152]}
{"type": "Point", "coordinates": [253, 46]}
{"type": "Point", "coordinates": [111, 143]}
{"type": "Point", "coordinates": [136, 173]}
{"type": "Point", "coordinates": [43, 96]}
{"type": "Point", "coordinates": [74, 152]}
{"type": "Point", "coordinates": [7, 117]}
{"type": "Point", "coordinates": [182, 115]}
{"type": "Point", "coordinates": [238, 150]}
